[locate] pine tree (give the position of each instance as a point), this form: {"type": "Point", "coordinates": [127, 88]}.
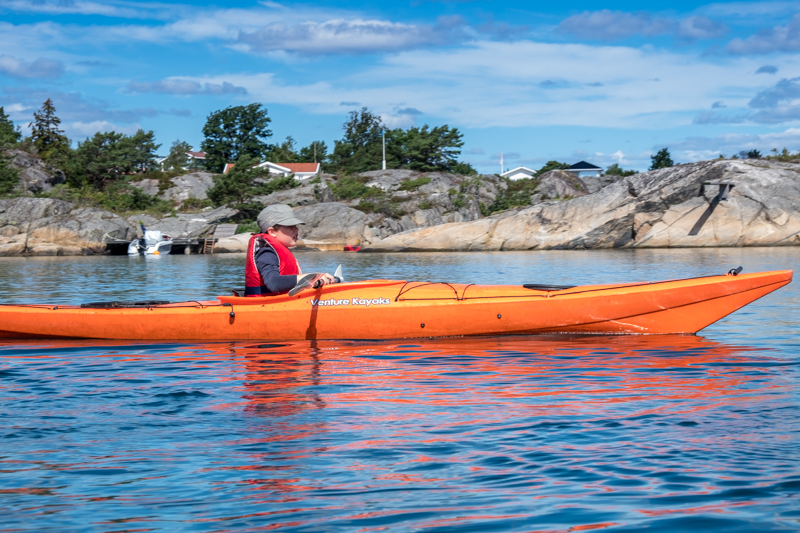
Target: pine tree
{"type": "Point", "coordinates": [361, 147]}
{"type": "Point", "coordinates": [177, 158]}
{"type": "Point", "coordinates": [8, 135]}
{"type": "Point", "coordinates": [661, 160]}
{"type": "Point", "coordinates": [9, 176]}
{"type": "Point", "coordinates": [238, 187]}
{"type": "Point", "coordinates": [282, 153]}
{"type": "Point", "coordinates": [233, 133]}
{"type": "Point", "coordinates": [141, 148]}
{"type": "Point", "coordinates": [50, 142]}
{"type": "Point", "coordinates": [316, 152]}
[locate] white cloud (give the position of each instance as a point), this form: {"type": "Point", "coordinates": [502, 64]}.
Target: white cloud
{"type": "Point", "coordinates": [347, 36]}
{"type": "Point", "coordinates": [117, 9]}
{"type": "Point", "coordinates": [700, 148]}
{"type": "Point", "coordinates": [397, 121]}
{"type": "Point", "coordinates": [487, 84]}
{"type": "Point", "coordinates": [184, 87]}
{"type": "Point", "coordinates": [777, 39]}
{"type": "Point", "coordinates": [39, 68]}
{"type": "Point", "coordinates": [88, 129]}
{"type": "Point", "coordinates": [750, 10]}
{"type": "Point", "coordinates": [607, 25]}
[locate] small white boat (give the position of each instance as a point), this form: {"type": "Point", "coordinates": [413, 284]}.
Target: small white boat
{"type": "Point", "coordinates": [153, 243]}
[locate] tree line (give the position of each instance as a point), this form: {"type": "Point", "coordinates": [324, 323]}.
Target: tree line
{"type": "Point", "coordinates": [230, 135]}
{"type": "Point", "coordinates": [240, 131]}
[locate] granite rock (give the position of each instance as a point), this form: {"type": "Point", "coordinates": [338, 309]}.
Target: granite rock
{"type": "Point", "coordinates": [560, 184]}
{"type": "Point", "coordinates": [60, 221]}
{"type": "Point", "coordinates": [186, 225]}
{"type": "Point", "coordinates": [662, 208]}
{"type": "Point", "coordinates": [193, 185]}
{"type": "Point", "coordinates": [230, 245]}
{"type": "Point", "coordinates": [332, 222]}
{"type": "Point", "coordinates": [313, 193]}
{"type": "Point", "coordinates": [34, 174]}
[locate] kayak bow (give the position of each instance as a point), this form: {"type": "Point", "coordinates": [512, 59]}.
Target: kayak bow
{"type": "Point", "coordinates": [386, 309]}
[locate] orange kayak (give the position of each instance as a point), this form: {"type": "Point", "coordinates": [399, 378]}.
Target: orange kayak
{"type": "Point", "coordinates": [386, 309]}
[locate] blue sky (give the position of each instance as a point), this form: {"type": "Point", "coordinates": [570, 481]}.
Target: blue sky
{"type": "Point", "coordinates": [607, 83]}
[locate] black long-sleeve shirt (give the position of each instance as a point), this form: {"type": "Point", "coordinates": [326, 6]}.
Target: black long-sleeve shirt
{"type": "Point", "coordinates": [269, 267]}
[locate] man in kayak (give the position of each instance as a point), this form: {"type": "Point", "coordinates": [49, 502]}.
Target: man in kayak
{"type": "Point", "coordinates": [270, 267]}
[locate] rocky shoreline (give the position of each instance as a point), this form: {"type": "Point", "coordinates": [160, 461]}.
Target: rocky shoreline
{"type": "Point", "coordinates": [409, 211]}
{"type": "Point", "coordinates": [666, 208]}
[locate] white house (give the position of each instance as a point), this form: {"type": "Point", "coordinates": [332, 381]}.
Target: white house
{"type": "Point", "coordinates": [518, 173]}
{"type": "Point", "coordinates": [301, 171]}
{"type": "Point", "coordinates": [194, 160]}
{"type": "Point", "coordinates": [587, 169]}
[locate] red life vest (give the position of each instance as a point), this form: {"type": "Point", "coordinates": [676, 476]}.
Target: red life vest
{"type": "Point", "coordinates": [287, 264]}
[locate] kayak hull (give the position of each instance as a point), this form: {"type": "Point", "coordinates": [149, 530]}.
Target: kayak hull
{"type": "Point", "coordinates": [385, 309]}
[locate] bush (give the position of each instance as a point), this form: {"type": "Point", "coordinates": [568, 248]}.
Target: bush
{"type": "Point", "coordinates": [784, 155]}
{"type": "Point", "coordinates": [616, 170]}
{"type": "Point", "coordinates": [517, 194]}
{"type": "Point", "coordinates": [9, 176]}
{"type": "Point", "coordinates": [118, 198]}
{"type": "Point", "coordinates": [412, 185]}
{"type": "Point", "coordinates": [349, 188]}
{"type": "Point", "coordinates": [384, 205]}
{"type": "Point", "coordinates": [750, 154]}
{"type": "Point", "coordinates": [195, 204]}
{"type": "Point", "coordinates": [465, 169]}
{"type": "Point", "coordinates": [248, 227]}
{"type": "Point", "coordinates": [279, 184]}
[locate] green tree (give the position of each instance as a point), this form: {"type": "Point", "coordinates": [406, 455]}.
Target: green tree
{"type": "Point", "coordinates": [238, 188]}
{"type": "Point", "coordinates": [109, 156]}
{"type": "Point", "coordinates": [101, 160]}
{"type": "Point", "coordinates": [424, 149]}
{"type": "Point", "coordinates": [233, 133]}
{"type": "Point", "coordinates": [316, 152]}
{"type": "Point", "coordinates": [141, 148]}
{"type": "Point", "coordinates": [283, 153]}
{"type": "Point", "coordinates": [177, 158]}
{"type": "Point", "coordinates": [551, 165]}
{"type": "Point", "coordinates": [662, 159]}
{"type": "Point", "coordinates": [8, 134]}
{"type": "Point", "coordinates": [9, 176]}
{"type": "Point", "coordinates": [360, 149]}
{"type": "Point", "coordinates": [750, 154]}
{"type": "Point", "coordinates": [50, 142]}
{"type": "Point", "coordinates": [616, 170]}
{"type": "Point", "coordinates": [465, 169]}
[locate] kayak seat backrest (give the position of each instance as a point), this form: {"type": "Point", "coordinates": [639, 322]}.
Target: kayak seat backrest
{"type": "Point", "coordinates": [540, 287]}
{"type": "Point", "coordinates": [116, 305]}
{"type": "Point", "coordinates": [238, 292]}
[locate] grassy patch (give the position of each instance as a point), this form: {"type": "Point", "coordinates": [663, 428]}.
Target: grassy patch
{"type": "Point", "coordinates": [248, 227]}
{"type": "Point", "coordinates": [119, 198]}
{"type": "Point", "coordinates": [195, 204]}
{"type": "Point", "coordinates": [279, 184]}
{"type": "Point", "coordinates": [518, 194]}
{"type": "Point", "coordinates": [349, 188]}
{"type": "Point", "coordinates": [413, 185]}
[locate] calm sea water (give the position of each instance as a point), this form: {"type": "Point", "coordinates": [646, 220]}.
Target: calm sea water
{"type": "Point", "coordinates": [671, 433]}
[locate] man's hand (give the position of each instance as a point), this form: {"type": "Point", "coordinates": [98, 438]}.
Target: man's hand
{"type": "Point", "coordinates": [326, 279]}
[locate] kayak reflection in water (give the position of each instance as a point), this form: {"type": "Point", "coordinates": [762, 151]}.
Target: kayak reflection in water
{"type": "Point", "coordinates": [271, 268]}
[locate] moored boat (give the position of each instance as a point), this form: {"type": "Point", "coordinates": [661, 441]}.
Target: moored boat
{"type": "Point", "coordinates": [152, 243]}
{"type": "Point", "coordinates": [386, 309]}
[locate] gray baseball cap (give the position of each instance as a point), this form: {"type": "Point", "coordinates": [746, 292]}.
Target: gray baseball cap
{"type": "Point", "coordinates": [277, 215]}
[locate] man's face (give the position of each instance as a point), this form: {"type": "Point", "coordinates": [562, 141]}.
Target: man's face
{"type": "Point", "coordinates": [286, 235]}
